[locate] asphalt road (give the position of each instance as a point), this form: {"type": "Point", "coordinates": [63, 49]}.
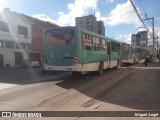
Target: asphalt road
{"type": "Point", "coordinates": [128, 88]}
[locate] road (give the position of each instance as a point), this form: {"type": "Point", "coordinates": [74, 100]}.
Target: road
{"type": "Point", "coordinates": [128, 88]}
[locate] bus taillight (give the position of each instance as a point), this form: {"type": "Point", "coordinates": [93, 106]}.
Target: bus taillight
{"type": "Point", "coordinates": [75, 59]}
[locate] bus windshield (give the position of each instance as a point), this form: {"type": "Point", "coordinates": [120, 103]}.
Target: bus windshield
{"type": "Point", "coordinates": [59, 36]}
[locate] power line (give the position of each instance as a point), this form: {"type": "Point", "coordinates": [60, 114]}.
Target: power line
{"type": "Point", "coordinates": [139, 17]}
{"type": "Point", "coordinates": [158, 10]}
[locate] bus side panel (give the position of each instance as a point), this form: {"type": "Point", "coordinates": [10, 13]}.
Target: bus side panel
{"type": "Point", "coordinates": [90, 59]}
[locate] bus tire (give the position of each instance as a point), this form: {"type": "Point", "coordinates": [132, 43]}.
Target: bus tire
{"type": "Point", "coordinates": [101, 68]}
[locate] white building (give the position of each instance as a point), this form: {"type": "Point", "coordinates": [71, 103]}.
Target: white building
{"type": "Point", "coordinates": [15, 35]}
{"type": "Point", "coordinates": [90, 23]}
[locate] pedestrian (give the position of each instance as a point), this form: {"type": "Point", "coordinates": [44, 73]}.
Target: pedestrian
{"type": "Point", "coordinates": [146, 61]}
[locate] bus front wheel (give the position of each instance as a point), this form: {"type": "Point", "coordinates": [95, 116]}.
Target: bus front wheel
{"type": "Point", "coordinates": [100, 69]}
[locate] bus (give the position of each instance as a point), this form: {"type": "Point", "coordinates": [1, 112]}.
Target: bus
{"type": "Point", "coordinates": [115, 53]}
{"type": "Point", "coordinates": [130, 54]}
{"type": "Point", "coordinates": [78, 50]}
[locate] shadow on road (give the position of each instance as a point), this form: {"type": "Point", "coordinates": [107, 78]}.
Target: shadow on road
{"type": "Point", "coordinates": [28, 76]}
{"type": "Point", "coordinates": [139, 89]}
{"type": "Point", "coordinates": [133, 88]}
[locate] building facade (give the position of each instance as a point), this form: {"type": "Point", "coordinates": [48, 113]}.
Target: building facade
{"type": "Point", "coordinates": [15, 35]}
{"type": "Point", "coordinates": [36, 46]}
{"type": "Point", "coordinates": [140, 39]}
{"type": "Point", "coordinates": [90, 23]}
{"type": "Point", "coordinates": [101, 28]}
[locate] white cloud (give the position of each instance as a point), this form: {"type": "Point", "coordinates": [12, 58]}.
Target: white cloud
{"type": "Point", "coordinates": [44, 18]}
{"type": "Point", "coordinates": [127, 38]}
{"type": "Point", "coordinates": [157, 31]}
{"type": "Point", "coordinates": [61, 13]}
{"type": "Point", "coordinates": [76, 9]}
{"type": "Point", "coordinates": [124, 38]}
{"type": "Point", "coordinates": [109, 1]}
{"type": "Point", "coordinates": [121, 14]}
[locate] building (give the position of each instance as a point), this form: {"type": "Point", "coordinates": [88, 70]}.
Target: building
{"type": "Point", "coordinates": [36, 46]}
{"type": "Point", "coordinates": [90, 23]}
{"type": "Point", "coordinates": [101, 28]}
{"type": "Point", "coordinates": [15, 35]}
{"type": "Point", "coordinates": [140, 39]}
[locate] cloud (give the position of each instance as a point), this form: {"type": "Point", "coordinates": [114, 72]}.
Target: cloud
{"type": "Point", "coordinates": [121, 14]}
{"type": "Point", "coordinates": [44, 18]}
{"type": "Point", "coordinates": [124, 38]}
{"type": "Point", "coordinates": [61, 13]}
{"type": "Point", "coordinates": [109, 1]}
{"type": "Point", "coordinates": [76, 9]}
{"type": "Point", "coordinates": [127, 38]}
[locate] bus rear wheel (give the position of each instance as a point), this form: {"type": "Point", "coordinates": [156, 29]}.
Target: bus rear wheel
{"type": "Point", "coordinates": [101, 68]}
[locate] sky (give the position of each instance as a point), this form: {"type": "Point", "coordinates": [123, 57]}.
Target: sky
{"type": "Point", "coordinates": [119, 17]}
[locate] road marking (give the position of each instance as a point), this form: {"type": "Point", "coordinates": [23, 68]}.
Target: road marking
{"type": "Point", "coordinates": [5, 85]}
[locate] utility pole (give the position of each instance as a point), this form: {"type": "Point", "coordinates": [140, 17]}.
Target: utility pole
{"type": "Point", "coordinates": [138, 15]}
{"type": "Point", "coordinates": [153, 47]}
{"type": "Point", "coordinates": [157, 43]}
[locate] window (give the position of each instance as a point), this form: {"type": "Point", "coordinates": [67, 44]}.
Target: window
{"type": "Point", "coordinates": [86, 42]}
{"type": "Point", "coordinates": [132, 50]}
{"type": "Point", "coordinates": [1, 44]}
{"type": "Point", "coordinates": [59, 36]}
{"type": "Point", "coordinates": [9, 45]}
{"type": "Point", "coordinates": [125, 47]}
{"type": "Point", "coordinates": [22, 30]}
{"type": "Point", "coordinates": [115, 46]}
{"type": "Point", "coordinates": [96, 43]}
{"type": "Point", "coordinates": [137, 35]}
{"type": "Point", "coordinates": [90, 42]}
{"type": "Point", "coordinates": [4, 26]}
{"type": "Point", "coordinates": [20, 46]}
{"type": "Point", "coordinates": [103, 45]}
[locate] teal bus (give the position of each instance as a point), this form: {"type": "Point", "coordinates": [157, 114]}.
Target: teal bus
{"type": "Point", "coordinates": [130, 54]}
{"type": "Point", "coordinates": [115, 53]}
{"type": "Point", "coordinates": [78, 50]}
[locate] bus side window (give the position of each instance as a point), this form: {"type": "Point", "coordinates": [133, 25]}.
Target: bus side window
{"type": "Point", "coordinates": [132, 51]}
{"type": "Point", "coordinates": [86, 42]}
{"type": "Point", "coordinates": [103, 45]}
{"type": "Point", "coordinates": [97, 43]}
{"type": "Point", "coordinates": [94, 43]}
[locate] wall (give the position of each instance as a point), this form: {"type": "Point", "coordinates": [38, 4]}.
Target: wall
{"type": "Point", "coordinates": [13, 19]}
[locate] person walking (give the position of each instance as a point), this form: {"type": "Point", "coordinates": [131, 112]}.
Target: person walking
{"type": "Point", "coordinates": [146, 61]}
